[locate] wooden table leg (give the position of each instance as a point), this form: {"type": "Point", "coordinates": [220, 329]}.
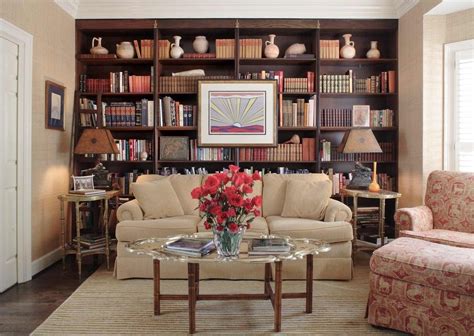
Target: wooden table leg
{"type": "Point", "coordinates": [156, 281]}
{"type": "Point", "coordinates": [196, 279]}
{"type": "Point", "coordinates": [309, 283]}
{"type": "Point", "coordinates": [277, 306]}
{"type": "Point", "coordinates": [78, 237]}
{"type": "Point", "coordinates": [268, 278]}
{"type": "Point", "coordinates": [192, 297]}
{"type": "Point", "coordinates": [63, 234]}
{"type": "Point", "coordinates": [382, 222]}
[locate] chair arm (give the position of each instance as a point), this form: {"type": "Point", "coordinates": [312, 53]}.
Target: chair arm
{"type": "Point", "coordinates": [337, 211]}
{"type": "Point", "coordinates": [129, 211]}
{"type": "Point", "coordinates": [418, 218]}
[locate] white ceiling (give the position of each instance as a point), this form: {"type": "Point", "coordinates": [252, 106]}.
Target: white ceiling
{"type": "Point", "coordinates": [451, 6]}
{"type": "Point", "coordinates": [360, 9]}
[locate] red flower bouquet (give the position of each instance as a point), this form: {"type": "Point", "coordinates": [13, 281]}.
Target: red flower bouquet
{"type": "Point", "coordinates": [228, 210]}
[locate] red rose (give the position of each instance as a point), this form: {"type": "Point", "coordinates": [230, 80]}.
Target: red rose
{"type": "Point", "coordinates": [238, 179]}
{"type": "Point", "coordinates": [247, 189]}
{"type": "Point", "coordinates": [234, 169]}
{"type": "Point", "coordinates": [231, 212]}
{"type": "Point", "coordinates": [257, 201]}
{"type": "Point", "coordinates": [219, 227]}
{"type": "Point", "coordinates": [256, 176]}
{"type": "Point", "coordinates": [214, 209]}
{"type": "Point", "coordinates": [233, 227]}
{"type": "Point", "coordinates": [236, 200]}
{"type": "Point", "coordinates": [222, 177]}
{"type": "Point", "coordinates": [256, 212]}
{"type": "Point", "coordinates": [207, 225]}
{"type": "Point", "coordinates": [196, 193]}
{"type": "Point", "coordinates": [212, 184]}
{"type": "Point", "coordinates": [248, 205]}
{"type": "Point", "coordinates": [247, 178]}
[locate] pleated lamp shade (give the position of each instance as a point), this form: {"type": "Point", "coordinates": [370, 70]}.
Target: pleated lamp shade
{"type": "Point", "coordinates": [96, 141]}
{"type": "Point", "coordinates": [359, 140]}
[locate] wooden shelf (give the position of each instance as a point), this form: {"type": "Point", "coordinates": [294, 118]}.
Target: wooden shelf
{"type": "Point", "coordinates": [357, 61]}
{"type": "Point", "coordinates": [290, 128]}
{"type": "Point", "coordinates": [115, 61]}
{"type": "Point", "coordinates": [196, 61]}
{"type": "Point", "coordinates": [193, 161]}
{"type": "Point", "coordinates": [276, 61]}
{"type": "Point", "coordinates": [278, 161]}
{"type": "Point", "coordinates": [177, 93]}
{"type": "Point", "coordinates": [177, 128]}
{"type": "Point", "coordinates": [357, 94]}
{"type": "Point", "coordinates": [301, 93]}
{"type": "Point", "coordinates": [339, 129]}
{"type": "Point", "coordinates": [118, 94]}
{"type": "Point", "coordinates": [131, 129]}
{"type": "Point", "coordinates": [382, 162]}
{"type": "Point", "coordinates": [90, 111]}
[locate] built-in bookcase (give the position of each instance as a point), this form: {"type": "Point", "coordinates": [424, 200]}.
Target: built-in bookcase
{"type": "Point", "coordinates": [328, 125]}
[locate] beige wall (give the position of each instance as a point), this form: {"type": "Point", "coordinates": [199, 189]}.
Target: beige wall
{"type": "Point", "coordinates": [53, 59]}
{"type": "Point", "coordinates": [460, 26]}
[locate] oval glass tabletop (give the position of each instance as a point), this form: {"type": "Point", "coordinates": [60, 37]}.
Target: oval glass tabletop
{"type": "Point", "coordinates": [156, 248]}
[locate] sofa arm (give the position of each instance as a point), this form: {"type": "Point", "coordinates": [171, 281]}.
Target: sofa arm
{"type": "Point", "coordinates": [337, 211]}
{"type": "Point", "coordinates": [129, 211]}
{"type": "Point", "coordinates": [419, 218]}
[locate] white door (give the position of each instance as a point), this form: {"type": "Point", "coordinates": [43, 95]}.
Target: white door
{"type": "Point", "coordinates": [8, 163]}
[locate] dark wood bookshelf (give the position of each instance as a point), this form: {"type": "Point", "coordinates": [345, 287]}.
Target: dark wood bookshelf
{"type": "Point", "coordinates": [288, 31]}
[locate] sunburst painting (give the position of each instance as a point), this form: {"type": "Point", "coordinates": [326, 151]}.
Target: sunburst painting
{"type": "Point", "coordinates": [237, 112]}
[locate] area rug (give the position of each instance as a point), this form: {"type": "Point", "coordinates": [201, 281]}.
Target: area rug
{"type": "Point", "coordinates": [103, 305]}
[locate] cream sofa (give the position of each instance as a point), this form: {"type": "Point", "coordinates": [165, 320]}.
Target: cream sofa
{"type": "Point", "coordinates": [335, 229]}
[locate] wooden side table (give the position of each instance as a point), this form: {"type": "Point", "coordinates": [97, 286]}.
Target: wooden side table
{"type": "Point", "coordinates": [382, 195]}
{"type": "Point", "coordinates": [77, 250]}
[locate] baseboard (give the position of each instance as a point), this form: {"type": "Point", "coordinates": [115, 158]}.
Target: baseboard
{"type": "Point", "coordinates": [45, 261]}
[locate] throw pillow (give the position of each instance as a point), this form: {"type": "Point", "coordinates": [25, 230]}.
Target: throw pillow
{"type": "Point", "coordinates": [157, 199]}
{"type": "Point", "coordinates": [306, 199]}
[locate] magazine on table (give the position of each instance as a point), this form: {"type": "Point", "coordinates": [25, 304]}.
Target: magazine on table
{"type": "Point", "coordinates": [192, 245]}
{"type": "Point", "coordinates": [262, 246]}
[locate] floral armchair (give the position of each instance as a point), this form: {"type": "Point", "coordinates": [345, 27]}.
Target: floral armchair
{"type": "Point", "coordinates": [448, 214]}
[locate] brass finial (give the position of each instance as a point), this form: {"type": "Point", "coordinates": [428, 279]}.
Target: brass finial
{"type": "Point", "coordinates": [237, 23]}
{"type": "Point", "coordinates": [317, 24]}
{"type": "Point", "coordinates": [155, 25]}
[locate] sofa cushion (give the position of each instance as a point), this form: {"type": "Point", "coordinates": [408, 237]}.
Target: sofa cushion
{"type": "Point", "coordinates": [259, 225]}
{"type": "Point", "coordinates": [132, 230]}
{"type": "Point", "coordinates": [330, 232]}
{"type": "Point", "coordinates": [182, 185]}
{"type": "Point", "coordinates": [446, 237]}
{"type": "Point", "coordinates": [306, 199]}
{"type": "Point", "coordinates": [274, 190]}
{"type": "Point", "coordinates": [157, 199]}
{"type": "Point", "coordinates": [425, 263]}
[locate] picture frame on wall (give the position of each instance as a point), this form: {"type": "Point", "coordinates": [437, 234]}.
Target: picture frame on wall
{"type": "Point", "coordinates": [54, 105]}
{"type": "Point", "coordinates": [237, 113]}
{"type": "Point", "coordinates": [361, 115]}
{"type": "Point", "coordinates": [174, 148]}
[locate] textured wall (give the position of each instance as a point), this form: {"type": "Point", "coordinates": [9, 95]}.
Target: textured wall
{"type": "Point", "coordinates": [53, 59]}
{"type": "Point", "coordinates": [460, 26]}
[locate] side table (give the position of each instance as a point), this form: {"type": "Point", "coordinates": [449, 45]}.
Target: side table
{"type": "Point", "coordinates": [382, 195]}
{"type": "Point", "coordinates": [77, 250]}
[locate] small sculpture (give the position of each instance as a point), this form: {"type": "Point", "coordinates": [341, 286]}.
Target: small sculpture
{"type": "Point", "coordinates": [189, 73]}
{"type": "Point", "coordinates": [125, 50]}
{"type": "Point", "coordinates": [361, 177]}
{"type": "Point", "coordinates": [143, 156]}
{"type": "Point", "coordinates": [176, 51]}
{"type": "Point", "coordinates": [295, 139]}
{"type": "Point", "coordinates": [200, 44]}
{"type": "Point", "coordinates": [295, 49]}
{"type": "Point", "coordinates": [98, 49]}
{"type": "Point", "coordinates": [348, 50]}
{"type": "Point", "coordinates": [373, 52]}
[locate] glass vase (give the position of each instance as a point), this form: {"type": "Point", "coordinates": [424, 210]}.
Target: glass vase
{"type": "Point", "coordinates": [228, 243]}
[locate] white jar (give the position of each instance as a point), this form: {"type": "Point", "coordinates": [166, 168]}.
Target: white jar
{"type": "Point", "coordinates": [200, 44]}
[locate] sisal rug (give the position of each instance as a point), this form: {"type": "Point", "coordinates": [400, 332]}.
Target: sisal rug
{"type": "Point", "coordinates": [103, 305]}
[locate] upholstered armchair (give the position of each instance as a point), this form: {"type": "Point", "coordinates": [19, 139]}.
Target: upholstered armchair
{"type": "Point", "coordinates": [448, 214]}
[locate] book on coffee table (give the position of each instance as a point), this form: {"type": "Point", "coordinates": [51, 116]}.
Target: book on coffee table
{"type": "Point", "coordinates": [194, 247]}
{"type": "Point", "coordinates": [262, 246]}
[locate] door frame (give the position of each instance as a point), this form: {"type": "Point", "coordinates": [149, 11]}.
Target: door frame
{"type": "Point", "coordinates": [24, 41]}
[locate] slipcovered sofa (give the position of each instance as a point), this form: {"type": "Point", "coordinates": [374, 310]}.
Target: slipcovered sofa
{"type": "Point", "coordinates": [333, 227]}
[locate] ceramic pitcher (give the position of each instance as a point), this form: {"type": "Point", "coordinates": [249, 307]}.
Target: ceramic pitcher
{"type": "Point", "coordinates": [98, 49]}
{"type": "Point", "coordinates": [348, 50]}
{"type": "Point", "coordinates": [176, 51]}
{"type": "Point", "coordinates": [271, 49]}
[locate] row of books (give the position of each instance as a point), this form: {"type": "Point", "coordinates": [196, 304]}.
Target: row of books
{"type": "Point", "coordinates": [303, 84]}
{"type": "Point", "coordinates": [299, 113]}
{"type": "Point", "coordinates": [173, 113]}
{"type": "Point", "coordinates": [329, 152]}
{"type": "Point", "coordinates": [87, 104]}
{"type": "Point", "coordinates": [192, 247]}
{"type": "Point", "coordinates": [381, 83]}
{"type": "Point", "coordinates": [126, 179]}
{"type": "Point", "coordinates": [344, 118]}
{"type": "Point", "coordinates": [90, 241]}
{"type": "Point", "coordinates": [250, 48]}
{"type": "Point", "coordinates": [117, 83]}
{"type": "Point", "coordinates": [225, 48]}
{"type": "Point", "coordinates": [164, 49]}
{"type": "Point", "coordinates": [125, 114]}
{"type": "Point", "coordinates": [144, 49]}
{"type": "Point", "coordinates": [283, 152]}
{"type": "Point", "coordinates": [198, 55]}
{"type": "Point", "coordinates": [184, 83]}
{"type": "Point", "coordinates": [209, 154]}
{"type": "Point", "coordinates": [130, 149]}
{"type": "Point", "coordinates": [88, 119]}
{"type": "Point", "coordinates": [329, 49]}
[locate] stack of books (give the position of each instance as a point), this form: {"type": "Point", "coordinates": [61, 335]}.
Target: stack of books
{"type": "Point", "coordinates": [88, 192]}
{"type": "Point", "coordinates": [91, 241]}
{"type": "Point", "coordinates": [193, 247]}
{"type": "Point", "coordinates": [268, 246]}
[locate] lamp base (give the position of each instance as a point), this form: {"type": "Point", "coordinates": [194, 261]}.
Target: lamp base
{"type": "Point", "coordinates": [361, 177]}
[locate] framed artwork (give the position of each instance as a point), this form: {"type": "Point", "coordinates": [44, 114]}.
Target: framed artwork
{"type": "Point", "coordinates": [174, 148]}
{"type": "Point", "coordinates": [237, 113]}
{"type": "Point", "coordinates": [361, 115]}
{"type": "Point", "coordinates": [54, 106]}
{"type": "Point", "coordinates": [83, 182]}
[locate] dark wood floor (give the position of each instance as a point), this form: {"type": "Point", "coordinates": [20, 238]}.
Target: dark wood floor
{"type": "Point", "coordinates": [25, 306]}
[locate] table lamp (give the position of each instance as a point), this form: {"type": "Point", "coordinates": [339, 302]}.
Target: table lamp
{"type": "Point", "coordinates": [97, 141]}
{"type": "Point", "coordinates": [361, 140]}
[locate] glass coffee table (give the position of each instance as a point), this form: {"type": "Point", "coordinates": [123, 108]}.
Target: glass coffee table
{"type": "Point", "coordinates": [299, 249]}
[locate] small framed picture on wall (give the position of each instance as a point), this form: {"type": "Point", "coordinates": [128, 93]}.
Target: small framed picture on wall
{"type": "Point", "coordinates": [361, 115]}
{"type": "Point", "coordinates": [54, 105]}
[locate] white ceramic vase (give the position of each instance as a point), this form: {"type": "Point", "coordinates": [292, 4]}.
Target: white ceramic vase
{"type": "Point", "coordinates": [296, 49]}
{"type": "Point", "coordinates": [176, 51]}
{"type": "Point", "coordinates": [348, 50]}
{"type": "Point", "coordinates": [200, 44]}
{"type": "Point", "coordinates": [373, 52]}
{"type": "Point", "coordinates": [98, 49]}
{"type": "Point", "coordinates": [125, 50]}
{"type": "Point", "coordinates": [271, 49]}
